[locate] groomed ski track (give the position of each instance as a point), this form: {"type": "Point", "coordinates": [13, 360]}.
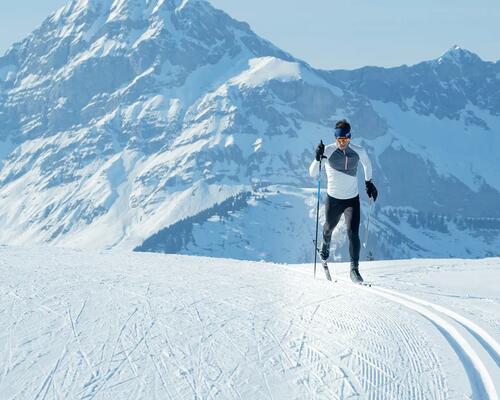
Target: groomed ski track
{"type": "Point", "coordinates": [115, 325]}
{"type": "Point", "coordinates": [477, 350]}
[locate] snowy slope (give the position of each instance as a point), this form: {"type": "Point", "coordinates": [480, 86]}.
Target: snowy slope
{"type": "Point", "coordinates": [145, 124]}
{"type": "Point", "coordinates": [109, 325]}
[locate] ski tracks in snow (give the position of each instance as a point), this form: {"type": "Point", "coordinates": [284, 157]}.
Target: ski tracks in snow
{"type": "Point", "coordinates": [135, 326]}
{"type": "Point", "coordinates": [476, 349]}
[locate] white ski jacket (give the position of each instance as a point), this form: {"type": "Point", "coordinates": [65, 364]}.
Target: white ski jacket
{"type": "Point", "coordinates": [341, 169]}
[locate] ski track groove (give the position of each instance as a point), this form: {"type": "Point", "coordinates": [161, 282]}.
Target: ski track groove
{"type": "Point", "coordinates": [77, 339]}
{"type": "Point", "coordinates": [486, 388]}
{"type": "Point", "coordinates": [259, 354]}
{"type": "Point", "coordinates": [374, 375]}
{"type": "Point", "coordinates": [164, 384]}
{"type": "Point", "coordinates": [50, 376]}
{"type": "Point", "coordinates": [180, 367]}
{"type": "Point", "coordinates": [230, 382]}
{"type": "Point", "coordinates": [487, 341]}
{"type": "Point", "coordinates": [111, 372]}
{"type": "Point", "coordinates": [298, 325]}
{"type": "Point", "coordinates": [375, 372]}
{"type": "Point", "coordinates": [480, 380]}
{"type": "Point", "coordinates": [130, 363]}
{"type": "Point", "coordinates": [292, 338]}
{"type": "Point", "coordinates": [322, 362]}
{"type": "Point", "coordinates": [265, 329]}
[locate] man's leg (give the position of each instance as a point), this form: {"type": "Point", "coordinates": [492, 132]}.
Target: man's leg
{"type": "Point", "coordinates": [333, 211]}
{"type": "Point", "coordinates": [352, 219]}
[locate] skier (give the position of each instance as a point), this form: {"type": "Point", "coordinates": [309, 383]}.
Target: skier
{"type": "Point", "coordinates": [342, 158]}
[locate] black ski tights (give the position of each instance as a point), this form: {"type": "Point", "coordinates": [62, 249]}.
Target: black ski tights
{"type": "Point", "coordinates": [334, 208]}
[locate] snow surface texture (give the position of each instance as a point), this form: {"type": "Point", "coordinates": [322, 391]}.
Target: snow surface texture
{"type": "Point", "coordinates": [145, 124]}
{"type": "Point", "coordinates": [114, 325]}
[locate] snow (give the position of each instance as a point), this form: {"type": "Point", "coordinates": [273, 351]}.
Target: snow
{"type": "Point", "coordinates": [182, 5]}
{"type": "Point", "coordinates": [264, 69]}
{"type": "Point", "coordinates": [120, 11]}
{"type": "Point", "coordinates": [7, 72]}
{"type": "Point", "coordinates": [30, 80]}
{"type": "Point", "coordinates": [102, 47]}
{"type": "Point", "coordinates": [229, 141]}
{"type": "Point", "coordinates": [112, 324]}
{"type": "Point", "coordinates": [456, 242]}
{"type": "Point", "coordinates": [257, 144]}
{"type": "Point", "coordinates": [455, 54]}
{"type": "Point", "coordinates": [153, 31]}
{"type": "Point", "coordinates": [174, 110]}
{"type": "Point", "coordinates": [154, 108]}
{"type": "Point", "coordinates": [94, 28]}
{"type": "Point", "coordinates": [73, 174]}
{"type": "Point", "coordinates": [445, 143]}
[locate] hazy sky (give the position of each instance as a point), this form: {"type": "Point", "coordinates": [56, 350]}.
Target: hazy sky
{"type": "Point", "coordinates": [332, 33]}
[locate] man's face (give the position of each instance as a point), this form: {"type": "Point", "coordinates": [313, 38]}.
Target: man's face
{"type": "Point", "coordinates": [342, 143]}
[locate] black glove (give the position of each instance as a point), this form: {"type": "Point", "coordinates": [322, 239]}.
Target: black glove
{"type": "Point", "coordinates": [320, 150]}
{"type": "Point", "coordinates": [371, 190]}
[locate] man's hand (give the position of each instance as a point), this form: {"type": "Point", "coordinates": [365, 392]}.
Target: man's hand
{"type": "Point", "coordinates": [371, 190]}
{"type": "Point", "coordinates": [320, 150]}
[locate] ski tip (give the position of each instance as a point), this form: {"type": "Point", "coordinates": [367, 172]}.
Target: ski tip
{"type": "Point", "coordinates": [363, 284]}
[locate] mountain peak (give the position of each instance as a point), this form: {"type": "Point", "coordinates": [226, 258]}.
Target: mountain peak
{"type": "Point", "coordinates": [118, 9]}
{"type": "Point", "coordinates": [184, 33]}
{"type": "Point", "coordinates": [458, 55]}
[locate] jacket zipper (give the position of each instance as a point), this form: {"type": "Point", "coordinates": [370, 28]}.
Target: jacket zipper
{"type": "Point", "coordinates": [345, 165]}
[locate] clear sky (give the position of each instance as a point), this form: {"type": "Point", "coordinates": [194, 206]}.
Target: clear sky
{"type": "Point", "coordinates": [331, 33]}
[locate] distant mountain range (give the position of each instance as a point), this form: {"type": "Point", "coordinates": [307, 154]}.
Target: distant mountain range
{"type": "Point", "coordinates": [166, 125]}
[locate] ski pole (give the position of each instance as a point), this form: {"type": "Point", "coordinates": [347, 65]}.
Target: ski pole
{"type": "Point", "coordinates": [317, 219]}
{"type": "Point", "coordinates": [368, 222]}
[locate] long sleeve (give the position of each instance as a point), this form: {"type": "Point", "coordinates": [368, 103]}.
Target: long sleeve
{"type": "Point", "coordinates": [367, 165]}
{"type": "Point", "coordinates": [314, 169]}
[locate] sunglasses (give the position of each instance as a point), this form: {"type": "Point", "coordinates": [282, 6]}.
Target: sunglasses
{"type": "Point", "coordinates": [343, 140]}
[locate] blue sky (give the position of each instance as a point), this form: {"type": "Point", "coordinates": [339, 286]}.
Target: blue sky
{"type": "Point", "coordinates": [330, 33]}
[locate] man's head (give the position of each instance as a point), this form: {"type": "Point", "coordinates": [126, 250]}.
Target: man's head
{"type": "Point", "coordinates": [342, 133]}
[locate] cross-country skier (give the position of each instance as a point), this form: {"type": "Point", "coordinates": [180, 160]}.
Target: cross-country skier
{"type": "Point", "coordinates": [341, 161]}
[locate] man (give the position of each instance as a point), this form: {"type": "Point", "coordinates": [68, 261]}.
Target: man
{"type": "Point", "coordinates": [341, 161]}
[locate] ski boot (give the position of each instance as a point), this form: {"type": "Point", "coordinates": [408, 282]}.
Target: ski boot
{"type": "Point", "coordinates": [324, 252]}
{"type": "Point", "coordinates": [355, 275]}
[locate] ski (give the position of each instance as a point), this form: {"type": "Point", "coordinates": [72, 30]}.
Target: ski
{"type": "Point", "coordinates": [357, 279]}
{"type": "Point", "coordinates": [364, 283]}
{"type": "Point", "coordinates": [327, 271]}
{"type": "Point", "coordinates": [323, 263]}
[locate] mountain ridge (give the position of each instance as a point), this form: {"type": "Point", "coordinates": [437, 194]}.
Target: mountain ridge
{"type": "Point", "coordinates": [113, 136]}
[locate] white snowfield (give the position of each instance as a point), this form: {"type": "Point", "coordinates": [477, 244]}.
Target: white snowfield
{"type": "Point", "coordinates": [120, 325]}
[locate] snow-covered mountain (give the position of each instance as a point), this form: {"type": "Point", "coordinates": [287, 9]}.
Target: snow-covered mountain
{"type": "Point", "coordinates": [166, 125]}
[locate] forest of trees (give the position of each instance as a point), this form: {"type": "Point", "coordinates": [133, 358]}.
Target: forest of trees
{"type": "Point", "coordinates": [439, 222]}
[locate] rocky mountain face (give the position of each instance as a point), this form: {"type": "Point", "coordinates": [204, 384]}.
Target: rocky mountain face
{"type": "Point", "coordinates": [165, 125]}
